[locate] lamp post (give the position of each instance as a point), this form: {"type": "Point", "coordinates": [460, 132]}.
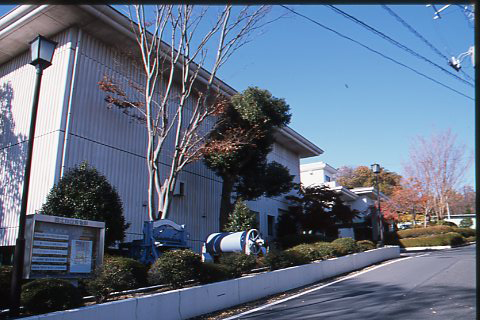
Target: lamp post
{"type": "Point", "coordinates": [376, 171]}
{"type": "Point", "coordinates": [41, 50]}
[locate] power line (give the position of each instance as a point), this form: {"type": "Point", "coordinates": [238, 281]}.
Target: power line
{"type": "Point", "coordinates": [415, 32]}
{"type": "Point", "coordinates": [375, 51]}
{"type": "Point", "coordinates": [396, 43]}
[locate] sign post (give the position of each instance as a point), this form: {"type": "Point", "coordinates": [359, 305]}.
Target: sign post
{"type": "Point", "coordinates": [62, 247]}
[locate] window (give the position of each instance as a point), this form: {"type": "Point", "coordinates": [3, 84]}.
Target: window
{"type": "Point", "coordinates": [179, 189]}
{"type": "Point", "coordinates": [271, 223]}
{"type": "Point", "coordinates": [327, 178]}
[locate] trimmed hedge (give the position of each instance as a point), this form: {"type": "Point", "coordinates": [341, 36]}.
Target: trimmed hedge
{"type": "Point", "coordinates": [365, 245]}
{"type": "Point", "coordinates": [47, 295]}
{"type": "Point", "coordinates": [471, 239]}
{"type": "Point", "coordinates": [344, 246]}
{"type": "Point", "coordinates": [283, 259]}
{"type": "Point", "coordinates": [117, 274]}
{"type": "Point", "coordinates": [175, 268]}
{"type": "Point", "coordinates": [238, 263]}
{"type": "Point", "coordinates": [466, 232]}
{"type": "Point", "coordinates": [450, 238]}
{"type": "Point", "coordinates": [213, 272]}
{"type": "Point", "coordinates": [325, 250]}
{"type": "Point", "coordinates": [422, 232]}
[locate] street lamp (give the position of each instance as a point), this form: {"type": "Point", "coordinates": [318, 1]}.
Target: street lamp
{"type": "Point", "coordinates": [379, 223]}
{"type": "Point", "coordinates": [41, 50]}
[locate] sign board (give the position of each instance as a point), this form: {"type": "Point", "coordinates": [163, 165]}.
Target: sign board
{"type": "Point", "coordinates": [62, 247]}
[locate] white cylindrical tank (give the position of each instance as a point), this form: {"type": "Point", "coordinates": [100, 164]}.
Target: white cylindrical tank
{"type": "Point", "coordinates": [248, 242]}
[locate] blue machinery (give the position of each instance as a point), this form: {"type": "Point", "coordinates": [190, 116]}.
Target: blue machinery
{"type": "Point", "coordinates": [158, 236]}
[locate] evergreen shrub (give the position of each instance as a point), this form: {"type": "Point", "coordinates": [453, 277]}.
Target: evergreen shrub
{"type": "Point", "coordinates": [445, 239]}
{"type": "Point", "coordinates": [466, 232]}
{"type": "Point", "coordinates": [422, 232]}
{"type": "Point", "coordinates": [48, 295]}
{"type": "Point", "coordinates": [213, 272]}
{"type": "Point", "coordinates": [238, 263]}
{"type": "Point", "coordinates": [344, 246]}
{"type": "Point", "coordinates": [283, 259]}
{"type": "Point", "coordinates": [84, 193]}
{"type": "Point", "coordinates": [325, 250]}
{"type": "Point", "coordinates": [175, 268]}
{"type": "Point", "coordinates": [117, 274]}
{"type": "Point", "coordinates": [365, 245]}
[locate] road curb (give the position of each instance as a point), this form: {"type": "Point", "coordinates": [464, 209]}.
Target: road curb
{"type": "Point", "coordinates": [434, 248]}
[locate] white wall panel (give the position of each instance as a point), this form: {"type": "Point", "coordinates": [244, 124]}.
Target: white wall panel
{"type": "Point", "coordinates": [17, 77]}
{"type": "Point", "coordinates": [115, 144]}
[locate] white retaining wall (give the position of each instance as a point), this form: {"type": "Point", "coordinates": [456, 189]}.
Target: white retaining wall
{"type": "Point", "coordinates": [190, 302]}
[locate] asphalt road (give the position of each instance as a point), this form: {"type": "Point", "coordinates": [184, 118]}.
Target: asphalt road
{"type": "Point", "coordinates": [432, 285]}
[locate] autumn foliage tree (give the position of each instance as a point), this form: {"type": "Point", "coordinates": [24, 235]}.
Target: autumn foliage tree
{"type": "Point", "coordinates": [362, 176]}
{"type": "Point", "coordinates": [176, 91]}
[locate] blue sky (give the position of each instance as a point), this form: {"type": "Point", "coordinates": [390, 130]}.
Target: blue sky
{"type": "Point", "coordinates": [359, 107]}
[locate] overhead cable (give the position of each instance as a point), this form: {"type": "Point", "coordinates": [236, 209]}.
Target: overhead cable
{"type": "Point", "coordinates": [396, 43]}
{"type": "Point", "coordinates": [409, 27]}
{"type": "Point", "coordinates": [375, 51]}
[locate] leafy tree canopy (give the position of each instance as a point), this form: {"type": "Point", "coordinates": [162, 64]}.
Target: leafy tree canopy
{"type": "Point", "coordinates": [318, 209]}
{"type": "Point", "coordinates": [238, 146]}
{"type": "Point", "coordinates": [84, 193]}
{"type": "Point", "coordinates": [362, 176]}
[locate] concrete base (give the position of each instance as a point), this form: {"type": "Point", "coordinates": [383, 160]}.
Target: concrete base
{"type": "Point", "coordinates": [195, 301]}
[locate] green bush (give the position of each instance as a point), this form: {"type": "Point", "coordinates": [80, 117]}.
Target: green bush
{"type": "Point", "coordinates": [5, 278]}
{"type": "Point", "coordinates": [213, 272]}
{"type": "Point", "coordinates": [175, 268]}
{"type": "Point", "coordinates": [365, 245]}
{"type": "Point", "coordinates": [471, 239]}
{"type": "Point", "coordinates": [292, 240]}
{"type": "Point", "coordinates": [307, 251]}
{"type": "Point", "coordinates": [451, 238]}
{"type": "Point", "coordinates": [344, 246]}
{"type": "Point", "coordinates": [325, 250]}
{"type": "Point", "coordinates": [238, 263]}
{"type": "Point", "coordinates": [117, 274]}
{"type": "Point", "coordinates": [284, 259]}
{"type": "Point", "coordinates": [315, 251]}
{"type": "Point", "coordinates": [47, 295]}
{"type": "Point", "coordinates": [84, 193]}
{"type": "Point", "coordinates": [422, 232]}
{"type": "Point", "coordinates": [466, 232]}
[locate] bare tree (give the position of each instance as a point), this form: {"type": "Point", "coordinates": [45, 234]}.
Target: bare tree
{"type": "Point", "coordinates": [438, 164]}
{"type": "Point", "coordinates": [178, 94]}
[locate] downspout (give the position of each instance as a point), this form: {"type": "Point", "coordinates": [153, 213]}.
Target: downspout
{"type": "Point", "coordinates": [68, 116]}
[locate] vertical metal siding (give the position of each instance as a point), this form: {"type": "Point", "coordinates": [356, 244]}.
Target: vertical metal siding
{"type": "Point", "coordinates": [19, 75]}
{"type": "Point", "coordinates": [115, 145]}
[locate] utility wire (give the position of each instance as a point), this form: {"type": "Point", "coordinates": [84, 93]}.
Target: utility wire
{"type": "Point", "coordinates": [466, 16]}
{"type": "Point", "coordinates": [409, 27]}
{"type": "Point", "coordinates": [375, 51]}
{"type": "Point", "coordinates": [396, 43]}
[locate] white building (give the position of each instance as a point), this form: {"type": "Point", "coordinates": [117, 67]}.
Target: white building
{"type": "Point", "coordinates": [359, 199]}
{"type": "Point", "coordinates": [73, 123]}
